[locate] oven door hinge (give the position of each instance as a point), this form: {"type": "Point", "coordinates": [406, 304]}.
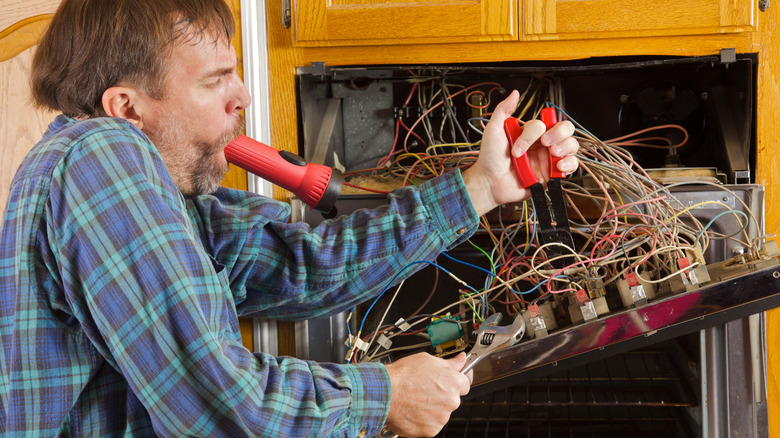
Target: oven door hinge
{"type": "Point", "coordinates": [286, 13]}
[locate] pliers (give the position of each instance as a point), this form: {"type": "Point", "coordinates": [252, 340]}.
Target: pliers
{"type": "Point", "coordinates": [550, 205]}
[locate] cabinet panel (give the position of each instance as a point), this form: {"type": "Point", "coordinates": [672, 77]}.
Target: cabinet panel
{"type": "Point", "coordinates": [362, 22]}
{"type": "Point", "coordinates": [559, 19]}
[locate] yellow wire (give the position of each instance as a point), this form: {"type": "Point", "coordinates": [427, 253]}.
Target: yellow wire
{"type": "Point", "coordinates": [620, 198]}
{"type": "Point", "coordinates": [420, 159]}
{"type": "Point", "coordinates": [687, 209]}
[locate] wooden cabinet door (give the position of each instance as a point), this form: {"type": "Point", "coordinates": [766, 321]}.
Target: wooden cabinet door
{"type": "Point", "coordinates": [559, 19]}
{"type": "Point", "coordinates": [364, 22]}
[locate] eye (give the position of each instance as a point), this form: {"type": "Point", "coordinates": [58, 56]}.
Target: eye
{"type": "Point", "coordinates": [213, 83]}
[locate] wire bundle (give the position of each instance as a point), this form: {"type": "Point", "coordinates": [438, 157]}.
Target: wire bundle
{"type": "Point", "coordinates": [623, 221]}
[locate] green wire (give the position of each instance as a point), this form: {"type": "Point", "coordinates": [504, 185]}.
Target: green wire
{"type": "Point", "coordinates": [490, 259]}
{"type": "Point", "coordinates": [472, 307]}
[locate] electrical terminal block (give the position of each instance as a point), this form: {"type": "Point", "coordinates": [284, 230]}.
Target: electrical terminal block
{"type": "Point", "coordinates": [694, 272]}
{"type": "Point", "coordinates": [636, 290]}
{"type": "Point", "coordinates": [540, 318]}
{"type": "Point", "coordinates": [583, 309]}
{"type": "Point", "coordinates": [769, 250]}
{"type": "Point", "coordinates": [688, 275]}
{"type": "Point", "coordinates": [588, 311]}
{"type": "Point", "coordinates": [539, 326]}
{"type": "Point", "coordinates": [692, 277]}
{"type": "Point", "coordinates": [595, 286]}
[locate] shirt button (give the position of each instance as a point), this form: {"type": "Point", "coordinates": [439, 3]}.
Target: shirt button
{"type": "Point", "coordinates": [462, 230]}
{"type": "Point", "coordinates": [363, 433]}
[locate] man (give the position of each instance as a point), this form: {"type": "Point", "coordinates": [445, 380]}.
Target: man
{"type": "Point", "coordinates": [124, 266]}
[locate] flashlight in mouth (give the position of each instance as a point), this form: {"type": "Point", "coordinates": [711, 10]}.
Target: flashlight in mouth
{"type": "Point", "coordinates": [318, 186]}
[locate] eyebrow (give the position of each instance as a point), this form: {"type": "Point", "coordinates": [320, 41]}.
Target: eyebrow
{"type": "Point", "coordinates": [224, 71]}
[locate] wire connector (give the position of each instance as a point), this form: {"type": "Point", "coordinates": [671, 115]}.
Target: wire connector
{"type": "Point", "coordinates": [402, 325]}
{"type": "Point", "coordinates": [384, 342]}
{"type": "Point", "coordinates": [688, 275]}
{"type": "Point", "coordinates": [635, 289]}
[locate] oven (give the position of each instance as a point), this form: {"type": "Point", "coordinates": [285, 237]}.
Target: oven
{"type": "Point", "coordinates": [675, 350]}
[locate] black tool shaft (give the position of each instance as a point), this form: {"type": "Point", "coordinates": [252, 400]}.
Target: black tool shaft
{"type": "Point", "coordinates": [553, 222]}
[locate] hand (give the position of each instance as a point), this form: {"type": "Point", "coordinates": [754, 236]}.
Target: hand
{"type": "Point", "coordinates": [425, 390]}
{"type": "Point", "coordinates": [491, 181]}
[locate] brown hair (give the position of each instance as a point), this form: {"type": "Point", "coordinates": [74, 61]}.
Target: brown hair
{"type": "Point", "coordinates": [93, 45]}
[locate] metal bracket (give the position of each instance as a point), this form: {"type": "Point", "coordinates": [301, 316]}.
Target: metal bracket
{"type": "Point", "coordinates": [319, 68]}
{"type": "Point", "coordinates": [728, 56]}
{"type": "Point", "coordinates": [286, 13]}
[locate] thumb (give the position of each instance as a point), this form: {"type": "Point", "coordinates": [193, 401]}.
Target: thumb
{"type": "Point", "coordinates": [506, 107]}
{"type": "Point", "coordinates": [458, 362]}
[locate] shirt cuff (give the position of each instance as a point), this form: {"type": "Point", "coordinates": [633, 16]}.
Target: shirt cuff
{"type": "Point", "coordinates": [450, 206]}
{"type": "Point", "coordinates": [370, 398]}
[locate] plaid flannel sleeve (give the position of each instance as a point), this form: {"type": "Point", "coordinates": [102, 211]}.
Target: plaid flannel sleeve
{"type": "Point", "coordinates": [292, 271]}
{"type": "Point", "coordinates": [158, 305]}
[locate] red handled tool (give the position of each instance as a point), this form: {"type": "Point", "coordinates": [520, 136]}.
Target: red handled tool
{"type": "Point", "coordinates": [550, 211]}
{"type": "Point", "coordinates": [318, 186]}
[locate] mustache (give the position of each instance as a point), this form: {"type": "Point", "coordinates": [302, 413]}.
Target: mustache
{"type": "Point", "coordinates": [238, 129]}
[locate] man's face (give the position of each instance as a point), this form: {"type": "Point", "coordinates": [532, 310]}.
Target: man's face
{"type": "Point", "coordinates": [199, 114]}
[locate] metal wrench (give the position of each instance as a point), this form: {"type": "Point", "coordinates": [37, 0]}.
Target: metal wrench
{"type": "Point", "coordinates": [490, 338]}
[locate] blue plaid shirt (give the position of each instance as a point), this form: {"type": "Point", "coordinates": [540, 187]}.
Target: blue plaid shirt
{"type": "Point", "coordinates": [119, 299]}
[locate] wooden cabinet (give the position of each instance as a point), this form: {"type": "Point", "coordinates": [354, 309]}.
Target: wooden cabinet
{"type": "Point", "coordinates": [360, 22]}
{"type": "Point", "coordinates": [385, 22]}
{"type": "Point", "coordinates": [559, 19]}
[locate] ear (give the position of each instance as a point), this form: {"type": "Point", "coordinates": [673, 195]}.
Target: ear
{"type": "Point", "coordinates": [124, 102]}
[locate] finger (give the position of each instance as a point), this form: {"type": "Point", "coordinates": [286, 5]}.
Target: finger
{"type": "Point", "coordinates": [566, 148]}
{"type": "Point", "coordinates": [532, 130]}
{"type": "Point", "coordinates": [464, 383]}
{"type": "Point", "coordinates": [568, 164]}
{"type": "Point", "coordinates": [558, 133]}
{"type": "Point", "coordinates": [570, 146]}
{"type": "Point", "coordinates": [470, 376]}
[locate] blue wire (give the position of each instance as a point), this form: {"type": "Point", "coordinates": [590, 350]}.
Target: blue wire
{"type": "Point", "coordinates": [392, 281]}
{"type": "Point", "coordinates": [494, 275]}
{"type": "Point", "coordinates": [719, 215]}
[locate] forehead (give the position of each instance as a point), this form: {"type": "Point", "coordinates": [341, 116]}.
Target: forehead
{"type": "Point", "coordinates": [195, 56]}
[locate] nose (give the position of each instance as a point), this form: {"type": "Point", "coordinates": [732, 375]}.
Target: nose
{"type": "Point", "coordinates": [242, 98]}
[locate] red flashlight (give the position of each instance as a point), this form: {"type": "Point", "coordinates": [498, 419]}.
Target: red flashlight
{"type": "Point", "coordinates": [317, 185]}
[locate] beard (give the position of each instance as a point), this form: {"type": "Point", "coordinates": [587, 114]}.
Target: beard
{"type": "Point", "coordinates": [207, 173]}
{"type": "Point", "coordinates": [200, 168]}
